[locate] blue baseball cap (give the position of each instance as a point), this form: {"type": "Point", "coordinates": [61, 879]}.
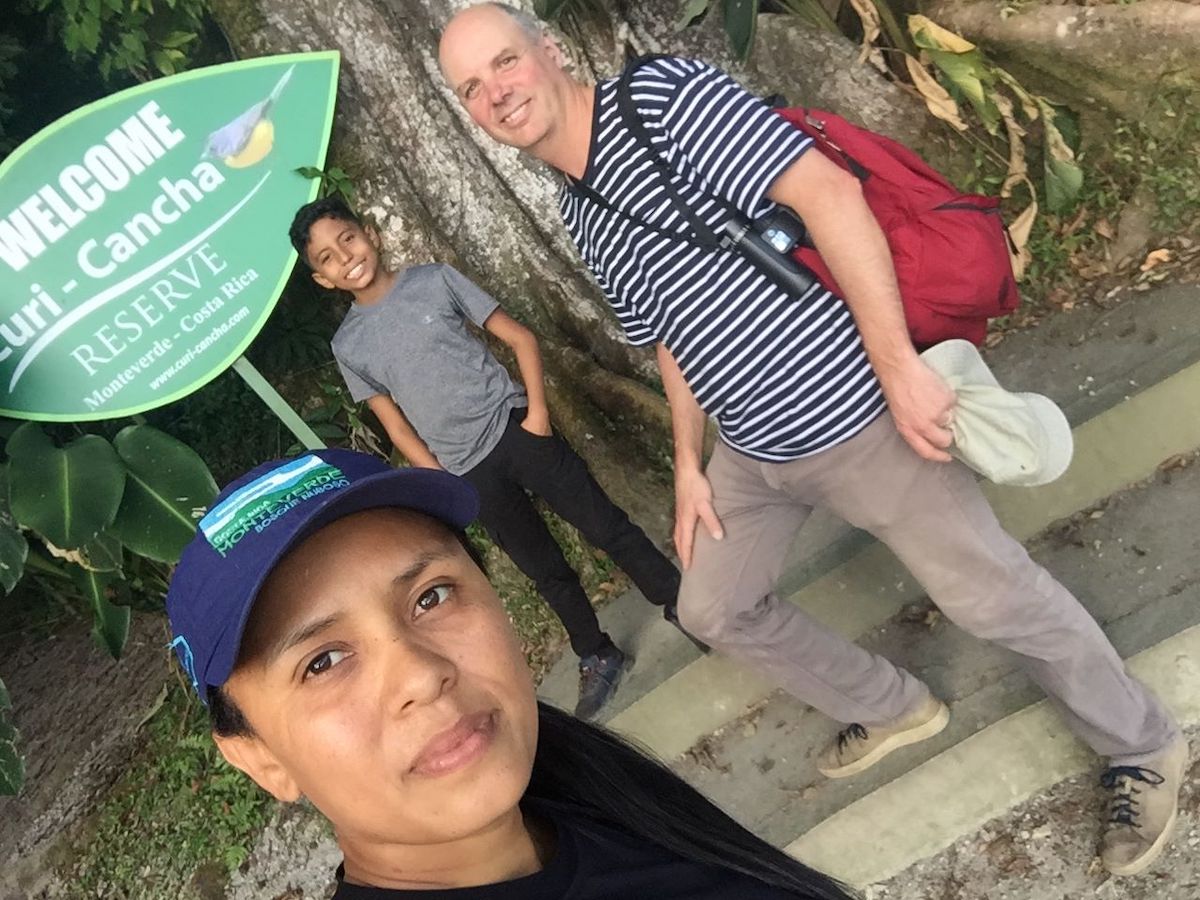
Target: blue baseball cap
{"type": "Point", "coordinates": [259, 517]}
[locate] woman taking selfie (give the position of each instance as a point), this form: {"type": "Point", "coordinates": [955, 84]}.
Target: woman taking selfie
{"type": "Point", "coordinates": [336, 620]}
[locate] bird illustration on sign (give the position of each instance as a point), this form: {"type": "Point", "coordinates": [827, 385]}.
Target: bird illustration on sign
{"type": "Point", "coordinates": [248, 138]}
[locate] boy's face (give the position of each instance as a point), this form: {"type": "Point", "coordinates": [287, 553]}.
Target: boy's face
{"type": "Point", "coordinates": [342, 255]}
{"type": "Point", "coordinates": [383, 681]}
{"type": "Point", "coordinates": [510, 84]}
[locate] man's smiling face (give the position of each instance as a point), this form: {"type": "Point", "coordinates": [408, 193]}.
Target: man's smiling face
{"type": "Point", "coordinates": [510, 82]}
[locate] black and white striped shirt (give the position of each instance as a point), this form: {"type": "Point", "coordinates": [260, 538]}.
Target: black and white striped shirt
{"type": "Point", "coordinates": [784, 377]}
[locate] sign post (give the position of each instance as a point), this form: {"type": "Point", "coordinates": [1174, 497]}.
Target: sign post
{"type": "Point", "coordinates": [143, 238]}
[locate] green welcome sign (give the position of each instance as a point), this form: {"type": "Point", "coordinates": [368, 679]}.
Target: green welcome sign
{"type": "Point", "coordinates": [143, 238]}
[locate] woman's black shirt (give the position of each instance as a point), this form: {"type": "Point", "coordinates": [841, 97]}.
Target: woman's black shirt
{"type": "Point", "coordinates": [593, 862]}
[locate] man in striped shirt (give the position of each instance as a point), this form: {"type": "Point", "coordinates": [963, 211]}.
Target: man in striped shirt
{"type": "Point", "coordinates": [821, 401]}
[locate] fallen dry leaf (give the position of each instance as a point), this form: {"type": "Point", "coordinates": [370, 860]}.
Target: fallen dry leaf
{"type": "Point", "coordinates": [937, 99]}
{"type": "Point", "coordinates": [1172, 463]}
{"type": "Point", "coordinates": [868, 14]}
{"type": "Point", "coordinates": [1073, 226]}
{"type": "Point", "coordinates": [1154, 257]}
{"type": "Point", "coordinates": [1028, 104]}
{"type": "Point", "coordinates": [1093, 270]}
{"type": "Point", "coordinates": [1017, 170]}
{"type": "Point", "coordinates": [1104, 229]}
{"type": "Point", "coordinates": [1018, 232]}
{"type": "Point", "coordinates": [944, 39]}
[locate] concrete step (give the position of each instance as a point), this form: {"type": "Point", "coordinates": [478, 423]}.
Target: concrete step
{"type": "Point", "coordinates": [1137, 569]}
{"type": "Point", "coordinates": [1090, 362]}
{"type": "Point", "coordinates": [991, 776]}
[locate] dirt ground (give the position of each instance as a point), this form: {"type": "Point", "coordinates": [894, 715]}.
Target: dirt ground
{"type": "Point", "coordinates": [1046, 850]}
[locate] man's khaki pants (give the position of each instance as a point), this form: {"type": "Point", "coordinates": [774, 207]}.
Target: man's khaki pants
{"type": "Point", "coordinates": [935, 519]}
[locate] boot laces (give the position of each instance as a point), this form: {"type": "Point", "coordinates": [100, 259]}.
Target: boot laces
{"type": "Point", "coordinates": [1122, 780]}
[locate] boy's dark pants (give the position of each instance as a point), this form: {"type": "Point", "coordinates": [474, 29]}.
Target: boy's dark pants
{"type": "Point", "coordinates": [548, 467]}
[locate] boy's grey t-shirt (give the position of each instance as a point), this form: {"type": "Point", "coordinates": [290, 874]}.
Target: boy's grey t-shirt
{"type": "Point", "coordinates": [414, 346]}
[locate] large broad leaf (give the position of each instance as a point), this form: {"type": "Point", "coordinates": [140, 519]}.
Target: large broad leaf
{"type": "Point", "coordinates": [741, 17]}
{"type": "Point", "coordinates": [970, 74]}
{"type": "Point", "coordinates": [1063, 181]}
{"type": "Point", "coordinates": [67, 494]}
{"type": "Point", "coordinates": [167, 490]}
{"type": "Point", "coordinates": [110, 623]}
{"type": "Point", "coordinates": [13, 552]}
{"type": "Point", "coordinates": [12, 766]}
{"type": "Point", "coordinates": [13, 547]}
{"type": "Point", "coordinates": [961, 63]}
{"type": "Point", "coordinates": [1063, 176]}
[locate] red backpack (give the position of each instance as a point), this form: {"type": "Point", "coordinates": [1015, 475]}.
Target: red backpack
{"type": "Point", "coordinates": [950, 250]}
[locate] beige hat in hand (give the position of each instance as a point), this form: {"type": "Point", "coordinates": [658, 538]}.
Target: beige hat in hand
{"type": "Point", "coordinates": [1008, 437]}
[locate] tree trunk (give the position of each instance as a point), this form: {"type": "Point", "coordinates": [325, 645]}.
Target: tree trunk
{"type": "Point", "coordinates": [440, 189]}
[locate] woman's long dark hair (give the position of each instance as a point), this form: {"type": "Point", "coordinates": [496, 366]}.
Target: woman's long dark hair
{"type": "Point", "coordinates": [594, 772]}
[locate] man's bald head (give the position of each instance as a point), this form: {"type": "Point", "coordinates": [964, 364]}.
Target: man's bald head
{"type": "Point", "coordinates": [507, 72]}
{"type": "Point", "coordinates": [464, 25]}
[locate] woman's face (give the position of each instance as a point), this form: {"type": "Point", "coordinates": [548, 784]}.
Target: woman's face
{"type": "Point", "coordinates": [383, 682]}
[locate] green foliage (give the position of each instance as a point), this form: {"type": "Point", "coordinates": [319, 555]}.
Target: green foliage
{"type": "Point", "coordinates": [334, 181]}
{"type": "Point", "coordinates": [142, 38]}
{"type": "Point", "coordinates": [1157, 153]}
{"type": "Point", "coordinates": [102, 511]}
{"type": "Point", "coordinates": [110, 622]}
{"type": "Point", "coordinates": [741, 19]}
{"type": "Point", "coordinates": [296, 337]}
{"type": "Point", "coordinates": [90, 501]}
{"type": "Point", "coordinates": [67, 494]}
{"type": "Point", "coordinates": [10, 55]}
{"type": "Point", "coordinates": [1164, 147]}
{"type": "Point", "coordinates": [167, 487]}
{"type": "Point", "coordinates": [225, 423]}
{"type": "Point", "coordinates": [338, 420]}
{"type": "Point", "coordinates": [178, 808]}
{"type": "Point", "coordinates": [14, 549]}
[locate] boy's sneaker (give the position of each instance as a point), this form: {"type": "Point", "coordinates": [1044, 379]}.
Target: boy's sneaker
{"type": "Point", "coordinates": [599, 675]}
{"type": "Point", "coordinates": [857, 747]}
{"type": "Point", "coordinates": [671, 614]}
{"type": "Point", "coordinates": [1144, 806]}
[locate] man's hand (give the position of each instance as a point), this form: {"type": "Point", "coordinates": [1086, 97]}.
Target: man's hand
{"type": "Point", "coordinates": [922, 405]}
{"type": "Point", "coordinates": [693, 503]}
{"type": "Point", "coordinates": [537, 422]}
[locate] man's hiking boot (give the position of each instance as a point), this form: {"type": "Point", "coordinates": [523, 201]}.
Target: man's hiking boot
{"type": "Point", "coordinates": [599, 675]}
{"type": "Point", "coordinates": [857, 747]}
{"type": "Point", "coordinates": [671, 614]}
{"type": "Point", "coordinates": [1144, 806]}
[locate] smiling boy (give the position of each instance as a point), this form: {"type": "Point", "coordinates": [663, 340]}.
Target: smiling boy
{"type": "Point", "coordinates": [407, 349]}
